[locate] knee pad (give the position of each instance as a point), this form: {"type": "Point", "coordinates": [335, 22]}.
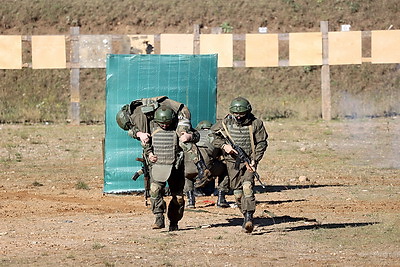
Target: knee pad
{"type": "Point", "coordinates": [155, 190]}
{"type": "Point", "coordinates": [238, 194]}
{"type": "Point", "coordinates": [247, 189]}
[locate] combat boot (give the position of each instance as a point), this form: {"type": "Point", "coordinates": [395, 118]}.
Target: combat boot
{"type": "Point", "coordinates": [221, 202]}
{"type": "Point", "coordinates": [173, 226]}
{"type": "Point", "coordinates": [248, 225]}
{"type": "Point", "coordinates": [191, 201]}
{"type": "Point", "coordinates": [198, 192]}
{"type": "Point", "coordinates": [160, 222]}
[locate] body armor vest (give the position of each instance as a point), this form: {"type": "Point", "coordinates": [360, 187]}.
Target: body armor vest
{"type": "Point", "coordinates": [165, 146]}
{"type": "Point", "coordinates": [204, 138]}
{"type": "Point", "coordinates": [241, 137]}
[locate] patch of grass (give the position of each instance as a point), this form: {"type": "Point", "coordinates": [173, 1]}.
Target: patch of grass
{"type": "Point", "coordinates": [97, 246]}
{"type": "Point", "coordinates": [18, 157]}
{"type": "Point", "coordinates": [167, 263]}
{"type": "Point", "coordinates": [81, 186]}
{"type": "Point", "coordinates": [71, 257]}
{"type": "Point", "coordinates": [226, 27]}
{"type": "Point", "coordinates": [24, 135]}
{"type": "Point", "coordinates": [36, 142]}
{"type": "Point", "coordinates": [36, 183]}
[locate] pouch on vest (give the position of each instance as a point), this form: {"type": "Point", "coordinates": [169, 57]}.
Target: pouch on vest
{"type": "Point", "coordinates": [161, 173]}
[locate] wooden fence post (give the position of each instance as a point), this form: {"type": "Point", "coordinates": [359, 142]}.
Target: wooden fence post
{"type": "Point", "coordinates": [325, 74]}
{"type": "Point", "coordinates": [74, 77]}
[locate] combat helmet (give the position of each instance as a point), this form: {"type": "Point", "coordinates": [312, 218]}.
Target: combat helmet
{"type": "Point", "coordinates": [204, 125]}
{"type": "Point", "coordinates": [164, 116]}
{"type": "Point", "coordinates": [123, 119]}
{"type": "Point", "coordinates": [240, 105]}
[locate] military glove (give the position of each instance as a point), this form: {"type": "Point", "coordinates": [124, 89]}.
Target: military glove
{"type": "Point", "coordinates": [144, 137]}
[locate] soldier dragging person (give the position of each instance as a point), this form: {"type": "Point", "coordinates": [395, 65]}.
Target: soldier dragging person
{"type": "Point", "coordinates": [136, 117]}
{"type": "Point", "coordinates": [166, 165]}
{"type": "Point", "coordinates": [141, 118]}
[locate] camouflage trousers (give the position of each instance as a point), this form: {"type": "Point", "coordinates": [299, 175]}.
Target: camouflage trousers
{"type": "Point", "coordinates": [157, 193]}
{"type": "Point", "coordinates": [242, 183]}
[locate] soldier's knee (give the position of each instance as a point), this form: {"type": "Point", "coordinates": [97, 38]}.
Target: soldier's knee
{"type": "Point", "coordinates": [247, 189]}
{"type": "Point", "coordinates": [238, 194]}
{"type": "Point", "coordinates": [155, 190]}
{"type": "Point", "coordinates": [180, 200]}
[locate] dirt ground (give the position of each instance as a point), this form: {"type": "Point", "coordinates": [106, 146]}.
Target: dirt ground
{"type": "Point", "coordinates": [332, 199]}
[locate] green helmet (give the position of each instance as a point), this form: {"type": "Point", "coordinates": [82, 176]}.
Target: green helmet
{"type": "Point", "coordinates": [204, 125]}
{"type": "Point", "coordinates": [240, 105]}
{"type": "Point", "coordinates": [123, 119]}
{"type": "Point", "coordinates": [164, 115]}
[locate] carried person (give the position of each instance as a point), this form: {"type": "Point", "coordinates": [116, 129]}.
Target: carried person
{"type": "Point", "coordinates": [135, 118]}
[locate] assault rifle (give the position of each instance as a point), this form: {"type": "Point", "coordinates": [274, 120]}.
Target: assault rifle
{"type": "Point", "coordinates": [241, 156]}
{"type": "Point", "coordinates": [145, 171]}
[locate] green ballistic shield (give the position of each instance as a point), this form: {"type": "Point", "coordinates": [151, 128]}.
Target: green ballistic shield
{"type": "Point", "coordinates": [190, 79]}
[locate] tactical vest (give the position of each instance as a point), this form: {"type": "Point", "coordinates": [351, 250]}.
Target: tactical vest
{"type": "Point", "coordinates": [165, 145]}
{"type": "Point", "coordinates": [204, 138]}
{"type": "Point", "coordinates": [241, 136]}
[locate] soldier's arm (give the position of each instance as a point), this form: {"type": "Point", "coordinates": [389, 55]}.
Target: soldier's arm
{"type": "Point", "coordinates": [260, 139]}
{"type": "Point", "coordinates": [181, 109]}
{"type": "Point", "coordinates": [139, 124]}
{"type": "Point", "coordinates": [217, 139]}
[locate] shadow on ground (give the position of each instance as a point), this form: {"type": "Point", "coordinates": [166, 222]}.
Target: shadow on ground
{"type": "Point", "coordinates": [312, 224]}
{"type": "Point", "coordinates": [258, 189]}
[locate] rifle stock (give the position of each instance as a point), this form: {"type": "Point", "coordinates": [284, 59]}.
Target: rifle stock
{"type": "Point", "coordinates": [146, 177]}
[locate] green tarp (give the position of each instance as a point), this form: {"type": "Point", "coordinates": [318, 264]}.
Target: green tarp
{"type": "Point", "coordinates": [190, 79]}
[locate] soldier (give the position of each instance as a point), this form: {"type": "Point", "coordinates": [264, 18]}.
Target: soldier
{"type": "Point", "coordinates": [211, 157]}
{"type": "Point", "coordinates": [136, 117]}
{"type": "Point", "coordinates": [249, 133]}
{"type": "Point", "coordinates": [166, 165]}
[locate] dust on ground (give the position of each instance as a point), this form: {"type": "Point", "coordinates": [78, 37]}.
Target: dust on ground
{"type": "Point", "coordinates": [332, 199]}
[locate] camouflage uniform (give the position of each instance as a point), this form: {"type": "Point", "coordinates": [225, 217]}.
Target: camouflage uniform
{"type": "Point", "coordinates": [248, 133]}
{"type": "Point", "coordinates": [141, 114]}
{"type": "Point", "coordinates": [212, 159]}
{"type": "Point", "coordinates": [167, 168]}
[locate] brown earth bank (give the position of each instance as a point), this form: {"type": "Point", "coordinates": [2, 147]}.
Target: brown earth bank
{"type": "Point", "coordinates": [332, 199]}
